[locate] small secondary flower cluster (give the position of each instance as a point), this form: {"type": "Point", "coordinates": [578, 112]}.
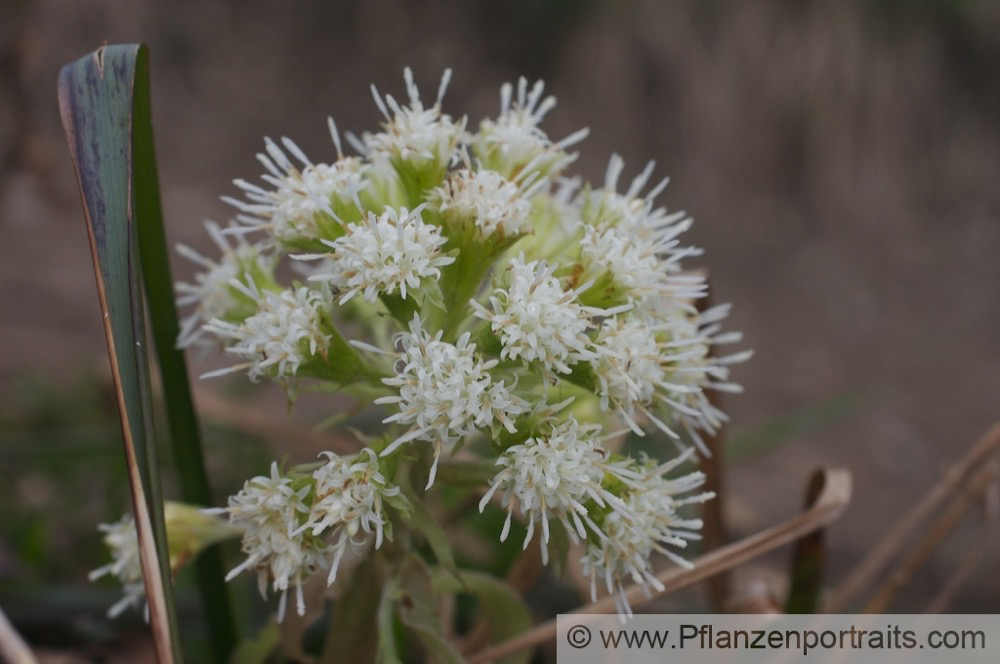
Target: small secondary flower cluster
{"type": "Point", "coordinates": [293, 525]}
{"type": "Point", "coordinates": [459, 278]}
{"type": "Point", "coordinates": [298, 523]}
{"type": "Point", "coordinates": [189, 531]}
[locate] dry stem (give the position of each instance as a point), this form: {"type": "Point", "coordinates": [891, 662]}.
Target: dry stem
{"type": "Point", "coordinates": [970, 493]}
{"type": "Point", "coordinates": [866, 572]}
{"type": "Point", "coordinates": [991, 499]}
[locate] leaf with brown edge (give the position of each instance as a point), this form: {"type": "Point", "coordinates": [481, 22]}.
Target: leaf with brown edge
{"type": "Point", "coordinates": [106, 108]}
{"type": "Point", "coordinates": [96, 104]}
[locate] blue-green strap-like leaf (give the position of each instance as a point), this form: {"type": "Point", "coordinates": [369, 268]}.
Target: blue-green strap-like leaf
{"type": "Point", "coordinates": [95, 100]}
{"type": "Point", "coordinates": [105, 99]}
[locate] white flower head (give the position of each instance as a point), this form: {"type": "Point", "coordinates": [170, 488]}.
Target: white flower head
{"type": "Point", "coordinates": [637, 243]}
{"type": "Point", "coordinates": [287, 332]}
{"type": "Point", "coordinates": [383, 253]}
{"type": "Point", "coordinates": [661, 368]}
{"type": "Point", "coordinates": [553, 475]}
{"type": "Point", "coordinates": [633, 370]}
{"type": "Point", "coordinates": [414, 134]}
{"type": "Point", "coordinates": [514, 143]}
{"type": "Point", "coordinates": [348, 502]}
{"type": "Point", "coordinates": [587, 300]}
{"type": "Point", "coordinates": [537, 320]}
{"type": "Point", "coordinates": [302, 202]}
{"type": "Point", "coordinates": [643, 267]}
{"type": "Point", "coordinates": [487, 199]}
{"type": "Point", "coordinates": [446, 391]}
{"type": "Point", "coordinates": [271, 511]}
{"type": "Point", "coordinates": [695, 367]}
{"type": "Point", "coordinates": [649, 523]}
{"type": "Point", "coordinates": [630, 210]}
{"type": "Point", "coordinates": [188, 532]}
{"type": "Point", "coordinates": [212, 292]}
{"type": "Point", "coordinates": [123, 543]}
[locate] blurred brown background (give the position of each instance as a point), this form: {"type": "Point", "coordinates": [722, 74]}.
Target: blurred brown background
{"type": "Point", "coordinates": [841, 159]}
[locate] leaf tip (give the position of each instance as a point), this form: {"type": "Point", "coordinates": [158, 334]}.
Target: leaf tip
{"type": "Point", "coordinates": [99, 58]}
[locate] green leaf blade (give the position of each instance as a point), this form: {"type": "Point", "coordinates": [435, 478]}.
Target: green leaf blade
{"type": "Point", "coordinates": [182, 421]}
{"type": "Point", "coordinates": [95, 99]}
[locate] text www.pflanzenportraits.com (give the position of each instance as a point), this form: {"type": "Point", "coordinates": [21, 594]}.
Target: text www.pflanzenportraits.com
{"type": "Point", "coordinates": [707, 637]}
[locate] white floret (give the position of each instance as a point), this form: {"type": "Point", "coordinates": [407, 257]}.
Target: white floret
{"type": "Point", "coordinates": [212, 293]}
{"type": "Point", "coordinates": [491, 202]}
{"type": "Point", "coordinates": [553, 475]}
{"type": "Point", "coordinates": [413, 133]}
{"type": "Point", "coordinates": [271, 511]}
{"type": "Point", "coordinates": [299, 200]}
{"type": "Point", "coordinates": [649, 523]}
{"type": "Point", "coordinates": [387, 253]}
{"type": "Point", "coordinates": [514, 142]}
{"type": "Point", "coordinates": [537, 320]}
{"type": "Point", "coordinates": [446, 392]}
{"type": "Point", "coordinates": [348, 503]}
{"type": "Point", "coordinates": [286, 332]}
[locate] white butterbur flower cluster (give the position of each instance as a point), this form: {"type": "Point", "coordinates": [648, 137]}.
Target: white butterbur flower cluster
{"type": "Point", "coordinates": [295, 525]}
{"type": "Point", "coordinates": [348, 502]}
{"type": "Point", "coordinates": [212, 293]}
{"type": "Point", "coordinates": [662, 367]}
{"type": "Point", "coordinates": [300, 203]}
{"type": "Point", "coordinates": [537, 319]}
{"type": "Point", "coordinates": [648, 521]}
{"type": "Point", "coordinates": [459, 280]}
{"type": "Point", "coordinates": [383, 254]}
{"type": "Point", "coordinates": [285, 333]}
{"type": "Point", "coordinates": [270, 510]}
{"type": "Point", "coordinates": [628, 239]}
{"type": "Point", "coordinates": [487, 200]}
{"type": "Point", "coordinates": [514, 143]}
{"type": "Point", "coordinates": [414, 134]}
{"type": "Point", "coordinates": [647, 367]}
{"type": "Point", "coordinates": [553, 475]}
{"type": "Point", "coordinates": [445, 392]}
{"type": "Point", "coordinates": [189, 530]}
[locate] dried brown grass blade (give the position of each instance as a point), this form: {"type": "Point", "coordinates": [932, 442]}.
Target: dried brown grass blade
{"type": "Point", "coordinates": [962, 573]}
{"type": "Point", "coordinates": [879, 557]}
{"type": "Point", "coordinates": [833, 499]}
{"type": "Point", "coordinates": [969, 494]}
